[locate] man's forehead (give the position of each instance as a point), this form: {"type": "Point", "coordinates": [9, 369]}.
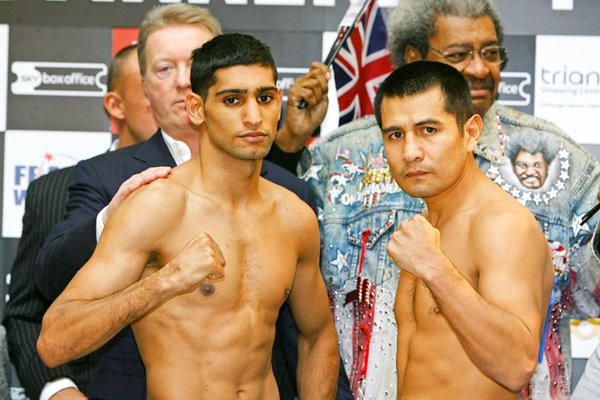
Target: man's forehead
{"type": "Point", "coordinates": [181, 27]}
{"type": "Point", "coordinates": [414, 109]}
{"type": "Point", "coordinates": [192, 35]}
{"type": "Point", "coordinates": [452, 30]}
{"type": "Point", "coordinates": [433, 96]}
{"type": "Point", "coordinates": [243, 77]}
{"type": "Point", "coordinates": [525, 154]}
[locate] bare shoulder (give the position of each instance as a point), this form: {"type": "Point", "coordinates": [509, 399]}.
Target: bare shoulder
{"type": "Point", "coordinates": [292, 209]}
{"type": "Point", "coordinates": [156, 201]}
{"type": "Point", "coordinates": [502, 213]}
{"type": "Point", "coordinates": [505, 220]}
{"type": "Point", "coordinates": [510, 254]}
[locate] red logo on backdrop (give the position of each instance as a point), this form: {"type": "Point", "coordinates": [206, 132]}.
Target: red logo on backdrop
{"type": "Point", "coordinates": [121, 37]}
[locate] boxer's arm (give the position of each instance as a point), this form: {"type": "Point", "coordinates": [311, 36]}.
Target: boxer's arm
{"type": "Point", "coordinates": [404, 313]}
{"type": "Point", "coordinates": [318, 354]}
{"type": "Point", "coordinates": [107, 294]}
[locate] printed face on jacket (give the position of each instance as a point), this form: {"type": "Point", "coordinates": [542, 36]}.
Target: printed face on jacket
{"type": "Point", "coordinates": [531, 169]}
{"type": "Point", "coordinates": [531, 157]}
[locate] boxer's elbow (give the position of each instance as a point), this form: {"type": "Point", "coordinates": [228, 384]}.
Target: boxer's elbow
{"type": "Point", "coordinates": [47, 347]}
{"type": "Point", "coordinates": [520, 374]}
{"type": "Point", "coordinates": [45, 352]}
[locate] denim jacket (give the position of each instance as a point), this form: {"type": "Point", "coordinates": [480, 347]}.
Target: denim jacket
{"type": "Point", "coordinates": [360, 206]}
{"type": "Point", "coordinates": [558, 200]}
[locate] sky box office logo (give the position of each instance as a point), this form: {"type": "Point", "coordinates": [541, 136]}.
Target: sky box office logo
{"type": "Point", "coordinates": [286, 78]}
{"type": "Point", "coordinates": [514, 89]}
{"type": "Point", "coordinates": [59, 79]}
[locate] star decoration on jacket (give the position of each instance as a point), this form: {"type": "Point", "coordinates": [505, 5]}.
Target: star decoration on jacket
{"type": "Point", "coordinates": [577, 227]}
{"type": "Point", "coordinates": [341, 261]}
{"type": "Point", "coordinates": [313, 172]}
{"type": "Point", "coordinates": [540, 195]}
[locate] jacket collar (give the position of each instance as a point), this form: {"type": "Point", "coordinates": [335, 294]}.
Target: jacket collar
{"type": "Point", "coordinates": [154, 150]}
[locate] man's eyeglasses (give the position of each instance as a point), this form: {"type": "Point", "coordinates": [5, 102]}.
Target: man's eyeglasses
{"type": "Point", "coordinates": [488, 54]}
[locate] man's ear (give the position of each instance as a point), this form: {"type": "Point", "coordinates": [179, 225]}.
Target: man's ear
{"type": "Point", "coordinates": [280, 99]}
{"type": "Point", "coordinates": [472, 129]}
{"type": "Point", "coordinates": [113, 104]}
{"type": "Point", "coordinates": [195, 109]}
{"type": "Point", "coordinates": [411, 54]}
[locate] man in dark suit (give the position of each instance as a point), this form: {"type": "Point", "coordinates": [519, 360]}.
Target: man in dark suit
{"type": "Point", "coordinates": [44, 208]}
{"type": "Point", "coordinates": [167, 37]}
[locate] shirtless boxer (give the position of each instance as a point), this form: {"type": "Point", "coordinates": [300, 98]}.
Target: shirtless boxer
{"type": "Point", "coordinates": [477, 272]}
{"type": "Point", "coordinates": [239, 247]}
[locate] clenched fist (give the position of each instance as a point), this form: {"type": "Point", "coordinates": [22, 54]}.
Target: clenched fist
{"type": "Point", "coordinates": [415, 246]}
{"type": "Point", "coordinates": [197, 264]}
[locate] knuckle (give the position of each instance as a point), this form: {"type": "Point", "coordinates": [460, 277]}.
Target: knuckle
{"type": "Point", "coordinates": [202, 236]}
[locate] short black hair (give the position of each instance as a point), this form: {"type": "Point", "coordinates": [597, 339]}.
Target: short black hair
{"type": "Point", "coordinates": [224, 51]}
{"type": "Point", "coordinates": [420, 76]}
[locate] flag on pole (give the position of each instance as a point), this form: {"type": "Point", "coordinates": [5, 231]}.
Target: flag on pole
{"type": "Point", "coordinates": [361, 65]}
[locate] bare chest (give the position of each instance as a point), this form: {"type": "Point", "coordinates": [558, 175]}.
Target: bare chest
{"type": "Point", "coordinates": [260, 260]}
{"type": "Point", "coordinates": [455, 245]}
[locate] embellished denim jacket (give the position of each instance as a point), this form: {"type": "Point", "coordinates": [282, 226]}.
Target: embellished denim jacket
{"type": "Point", "coordinates": [558, 187]}
{"type": "Point", "coordinates": [360, 206]}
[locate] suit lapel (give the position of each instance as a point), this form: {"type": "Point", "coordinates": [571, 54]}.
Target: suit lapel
{"type": "Point", "coordinates": [155, 151]}
{"type": "Point", "coordinates": [264, 169]}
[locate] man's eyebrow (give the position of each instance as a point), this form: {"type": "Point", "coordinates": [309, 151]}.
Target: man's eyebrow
{"type": "Point", "coordinates": [266, 89]}
{"type": "Point", "coordinates": [468, 45]}
{"type": "Point", "coordinates": [427, 121]}
{"type": "Point", "coordinates": [232, 91]}
{"type": "Point", "coordinates": [388, 129]}
{"type": "Point", "coordinates": [261, 89]}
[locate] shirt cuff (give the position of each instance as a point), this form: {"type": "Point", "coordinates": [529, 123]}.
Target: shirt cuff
{"type": "Point", "coordinates": [100, 223]}
{"type": "Point", "coordinates": [51, 388]}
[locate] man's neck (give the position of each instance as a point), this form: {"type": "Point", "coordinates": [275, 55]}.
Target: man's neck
{"type": "Point", "coordinates": [460, 196]}
{"type": "Point", "coordinates": [125, 138]}
{"type": "Point", "coordinates": [232, 180]}
{"type": "Point", "coordinates": [124, 141]}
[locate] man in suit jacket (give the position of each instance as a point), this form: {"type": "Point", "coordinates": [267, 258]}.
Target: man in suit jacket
{"type": "Point", "coordinates": [45, 207]}
{"type": "Point", "coordinates": [167, 37]}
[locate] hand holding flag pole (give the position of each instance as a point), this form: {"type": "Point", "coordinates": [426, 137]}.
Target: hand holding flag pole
{"type": "Point", "coordinates": [344, 32]}
{"type": "Point", "coordinates": [586, 217]}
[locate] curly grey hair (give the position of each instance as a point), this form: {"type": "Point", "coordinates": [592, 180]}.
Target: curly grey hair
{"type": "Point", "coordinates": [412, 22]}
{"type": "Point", "coordinates": [532, 142]}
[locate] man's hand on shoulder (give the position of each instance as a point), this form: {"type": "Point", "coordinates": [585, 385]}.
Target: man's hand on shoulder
{"type": "Point", "coordinates": [301, 123]}
{"type": "Point", "coordinates": [69, 394]}
{"type": "Point", "coordinates": [131, 185]}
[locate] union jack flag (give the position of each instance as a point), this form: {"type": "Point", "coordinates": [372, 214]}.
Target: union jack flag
{"type": "Point", "coordinates": [361, 65]}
